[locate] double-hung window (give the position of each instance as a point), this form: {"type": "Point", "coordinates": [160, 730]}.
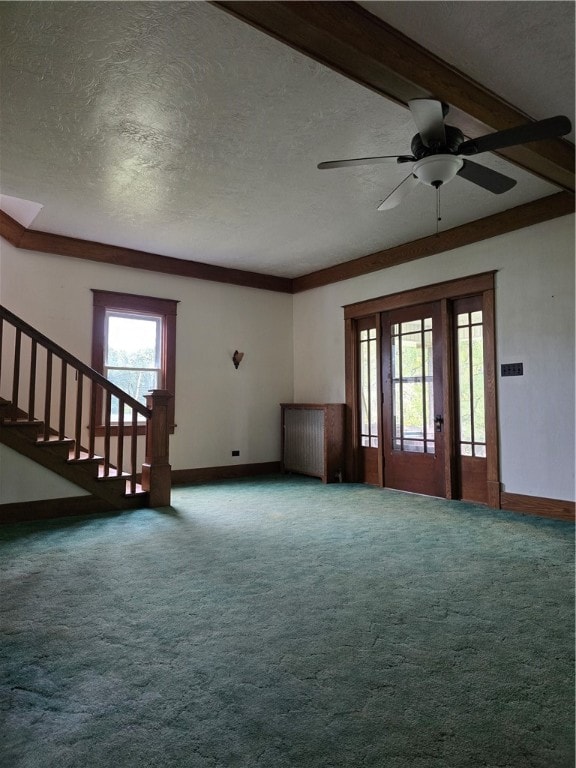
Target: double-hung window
{"type": "Point", "coordinates": [133, 354]}
{"type": "Point", "coordinates": [133, 344]}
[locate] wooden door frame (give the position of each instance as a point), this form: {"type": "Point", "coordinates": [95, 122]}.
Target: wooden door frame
{"type": "Point", "coordinates": [444, 293]}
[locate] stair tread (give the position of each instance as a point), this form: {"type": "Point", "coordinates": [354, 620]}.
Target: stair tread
{"type": "Point", "coordinates": [84, 458]}
{"type": "Point", "coordinates": [54, 440]}
{"type": "Point", "coordinates": [113, 474]}
{"type": "Point", "coordinates": [131, 499]}
{"type": "Point", "coordinates": [22, 423]}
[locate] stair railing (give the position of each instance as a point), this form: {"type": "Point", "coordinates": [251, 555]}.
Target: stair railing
{"type": "Point", "coordinates": [74, 392]}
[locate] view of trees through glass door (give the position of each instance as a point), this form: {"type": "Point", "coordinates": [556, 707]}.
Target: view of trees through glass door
{"type": "Point", "coordinates": [423, 391]}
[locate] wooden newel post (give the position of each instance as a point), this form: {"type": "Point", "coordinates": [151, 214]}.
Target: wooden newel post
{"type": "Point", "coordinates": [156, 470]}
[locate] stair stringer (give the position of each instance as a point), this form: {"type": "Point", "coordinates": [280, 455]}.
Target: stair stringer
{"type": "Point", "coordinates": [55, 456]}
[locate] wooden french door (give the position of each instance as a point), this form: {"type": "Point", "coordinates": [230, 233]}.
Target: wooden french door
{"type": "Point", "coordinates": [421, 391]}
{"type": "Point", "coordinates": [470, 401]}
{"type": "Point", "coordinates": [413, 399]}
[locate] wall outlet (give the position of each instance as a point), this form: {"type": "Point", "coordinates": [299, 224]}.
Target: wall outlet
{"type": "Point", "coordinates": [512, 369]}
{"type": "Point", "coordinates": [235, 453]}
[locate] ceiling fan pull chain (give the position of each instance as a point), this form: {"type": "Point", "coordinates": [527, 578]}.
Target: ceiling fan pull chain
{"type": "Point", "coordinates": [438, 217]}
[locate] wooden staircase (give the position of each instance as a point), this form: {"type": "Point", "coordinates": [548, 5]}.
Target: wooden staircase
{"type": "Point", "coordinates": [106, 466]}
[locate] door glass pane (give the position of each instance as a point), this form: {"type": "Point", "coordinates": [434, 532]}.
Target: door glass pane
{"type": "Point", "coordinates": [471, 384]}
{"type": "Point", "coordinates": [463, 318]}
{"type": "Point", "coordinates": [429, 389]}
{"type": "Point", "coordinates": [364, 389]}
{"type": "Point", "coordinates": [413, 393]}
{"type": "Point", "coordinates": [478, 383]}
{"type": "Point", "coordinates": [368, 388]}
{"type": "Point", "coordinates": [464, 383]}
{"type": "Point", "coordinates": [396, 416]}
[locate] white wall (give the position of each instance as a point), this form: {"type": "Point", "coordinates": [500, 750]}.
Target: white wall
{"type": "Point", "coordinates": [21, 479]}
{"type": "Point", "coordinates": [534, 325]}
{"type": "Point", "coordinates": [218, 408]}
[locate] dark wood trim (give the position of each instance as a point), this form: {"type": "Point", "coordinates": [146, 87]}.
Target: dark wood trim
{"type": "Point", "coordinates": [449, 426]}
{"type": "Point", "coordinates": [49, 509]}
{"type": "Point", "coordinates": [351, 397]}
{"type": "Point", "coordinates": [546, 208]}
{"type": "Point", "coordinates": [450, 289]}
{"type": "Point", "coordinates": [536, 505]}
{"type": "Point", "coordinates": [135, 302]}
{"type": "Point", "coordinates": [211, 474]}
{"type": "Point", "coordinates": [352, 41]}
{"type": "Point", "coordinates": [156, 469]}
{"type": "Point", "coordinates": [114, 430]}
{"type": "Point", "coordinates": [380, 385]}
{"type": "Point", "coordinates": [11, 230]}
{"type": "Point", "coordinates": [491, 398]}
{"type": "Point", "coordinates": [61, 245]}
{"type": "Point", "coordinates": [130, 302]}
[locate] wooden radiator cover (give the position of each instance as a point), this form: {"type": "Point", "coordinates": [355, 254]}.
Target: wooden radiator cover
{"type": "Point", "coordinates": [313, 440]}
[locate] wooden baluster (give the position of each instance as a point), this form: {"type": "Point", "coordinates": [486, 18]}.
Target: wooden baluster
{"type": "Point", "coordinates": [62, 420]}
{"type": "Point", "coordinates": [78, 431]}
{"type": "Point", "coordinates": [92, 421]}
{"type": "Point", "coordinates": [156, 470]}
{"type": "Point", "coordinates": [48, 395]}
{"type": "Point", "coordinates": [134, 451]}
{"type": "Point", "coordinates": [32, 387]}
{"type": "Point", "coordinates": [16, 375]}
{"type": "Point", "coordinates": [107, 410]}
{"type": "Point", "coordinates": [120, 446]}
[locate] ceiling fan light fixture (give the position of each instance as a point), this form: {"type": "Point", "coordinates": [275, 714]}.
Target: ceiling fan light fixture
{"type": "Point", "coordinates": [435, 170]}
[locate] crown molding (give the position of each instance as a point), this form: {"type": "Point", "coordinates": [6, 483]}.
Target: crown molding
{"type": "Point", "coordinates": [552, 207]}
{"type": "Point", "coordinates": [45, 242]}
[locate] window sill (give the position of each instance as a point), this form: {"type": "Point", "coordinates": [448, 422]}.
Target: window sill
{"type": "Point", "coordinates": [100, 430]}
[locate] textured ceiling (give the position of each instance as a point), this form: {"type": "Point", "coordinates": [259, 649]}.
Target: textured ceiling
{"type": "Point", "coordinates": [523, 51]}
{"type": "Point", "coordinates": [177, 129]}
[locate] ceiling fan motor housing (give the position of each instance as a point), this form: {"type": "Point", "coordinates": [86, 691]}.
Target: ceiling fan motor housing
{"type": "Point", "coordinates": [437, 164]}
{"type": "Point", "coordinates": [454, 137]}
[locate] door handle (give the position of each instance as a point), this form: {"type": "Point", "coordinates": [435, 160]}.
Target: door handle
{"type": "Point", "coordinates": [438, 421]}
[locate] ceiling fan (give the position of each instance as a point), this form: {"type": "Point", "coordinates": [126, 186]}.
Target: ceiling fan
{"type": "Point", "coordinates": [439, 151]}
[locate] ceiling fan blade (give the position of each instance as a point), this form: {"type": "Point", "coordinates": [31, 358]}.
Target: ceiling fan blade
{"type": "Point", "coordinates": [428, 114]}
{"type": "Point", "coordinates": [366, 161]}
{"type": "Point", "coordinates": [550, 128]}
{"type": "Point", "coordinates": [399, 193]}
{"type": "Point", "coordinates": [484, 177]}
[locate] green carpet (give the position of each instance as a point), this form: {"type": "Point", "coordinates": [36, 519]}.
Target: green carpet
{"type": "Point", "coordinates": [280, 623]}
